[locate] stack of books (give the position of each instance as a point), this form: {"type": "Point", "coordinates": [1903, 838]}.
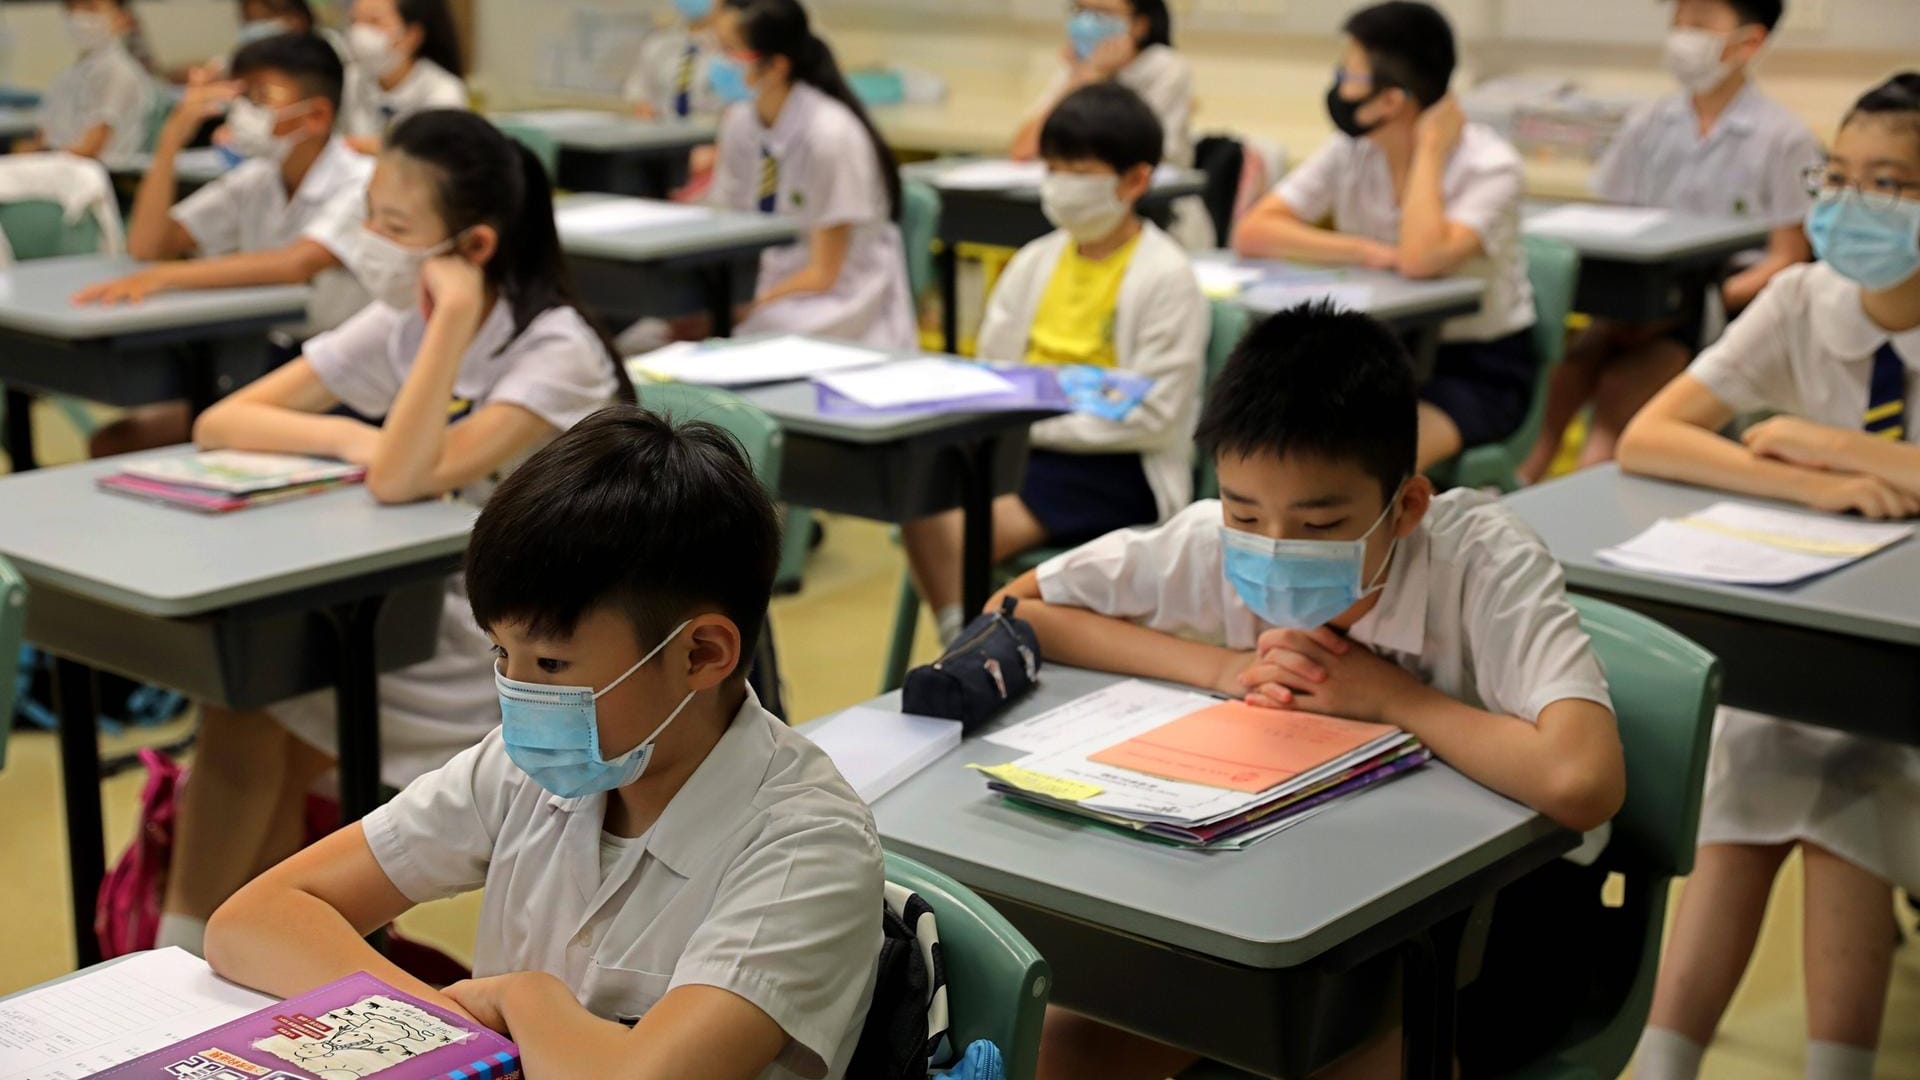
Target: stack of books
{"type": "Point", "coordinates": [219, 481]}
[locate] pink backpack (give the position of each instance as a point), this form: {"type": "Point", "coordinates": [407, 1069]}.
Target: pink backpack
{"type": "Point", "coordinates": [126, 917]}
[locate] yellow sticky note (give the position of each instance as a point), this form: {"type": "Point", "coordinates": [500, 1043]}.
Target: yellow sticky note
{"type": "Point", "coordinates": [1053, 787]}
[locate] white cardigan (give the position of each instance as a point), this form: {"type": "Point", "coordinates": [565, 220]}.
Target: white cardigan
{"type": "Point", "coordinates": [1160, 331]}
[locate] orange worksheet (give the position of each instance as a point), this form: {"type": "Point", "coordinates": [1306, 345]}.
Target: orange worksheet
{"type": "Point", "coordinates": [1239, 747]}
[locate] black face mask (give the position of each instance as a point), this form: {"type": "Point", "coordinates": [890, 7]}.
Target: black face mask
{"type": "Point", "coordinates": [1345, 114]}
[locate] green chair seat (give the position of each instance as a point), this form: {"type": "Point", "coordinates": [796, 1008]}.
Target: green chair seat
{"type": "Point", "coordinates": [540, 142]}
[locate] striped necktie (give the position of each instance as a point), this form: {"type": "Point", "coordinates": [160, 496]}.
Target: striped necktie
{"type": "Point", "coordinates": [769, 179]}
{"type": "Point", "coordinates": [683, 82]}
{"type": "Point", "coordinates": [1887, 395]}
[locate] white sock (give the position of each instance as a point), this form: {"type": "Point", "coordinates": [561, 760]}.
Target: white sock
{"type": "Point", "coordinates": [950, 620]}
{"type": "Point", "coordinates": [1839, 1061]}
{"type": "Point", "coordinates": [1666, 1055]}
{"type": "Point", "coordinates": [184, 931]}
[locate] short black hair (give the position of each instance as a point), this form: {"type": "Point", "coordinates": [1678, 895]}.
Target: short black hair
{"type": "Point", "coordinates": [1409, 44]}
{"type": "Point", "coordinates": [1766, 13]}
{"type": "Point", "coordinates": [307, 59]}
{"type": "Point", "coordinates": [655, 518]}
{"type": "Point", "coordinates": [1159, 22]}
{"type": "Point", "coordinates": [1895, 102]}
{"type": "Point", "coordinates": [299, 9]}
{"type": "Point", "coordinates": [1103, 122]}
{"type": "Point", "coordinates": [1319, 381]}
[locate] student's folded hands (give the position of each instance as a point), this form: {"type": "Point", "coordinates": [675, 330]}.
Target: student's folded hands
{"type": "Point", "coordinates": [486, 999]}
{"type": "Point", "coordinates": [1323, 671]}
{"type": "Point", "coordinates": [131, 289]}
{"type": "Point", "coordinates": [1830, 450]}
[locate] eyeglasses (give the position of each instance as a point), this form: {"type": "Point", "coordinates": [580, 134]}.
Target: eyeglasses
{"type": "Point", "coordinates": [1879, 193]}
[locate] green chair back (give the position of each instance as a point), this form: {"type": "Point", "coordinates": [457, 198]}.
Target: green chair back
{"type": "Point", "coordinates": [13, 626]}
{"type": "Point", "coordinates": [996, 982]}
{"type": "Point", "coordinates": [1553, 268]}
{"type": "Point", "coordinates": [38, 229]}
{"type": "Point", "coordinates": [919, 219]}
{"type": "Point", "coordinates": [1230, 322]}
{"type": "Point", "coordinates": [164, 99]}
{"type": "Point", "coordinates": [757, 432]}
{"type": "Point", "coordinates": [540, 142]}
{"type": "Point", "coordinates": [1665, 689]}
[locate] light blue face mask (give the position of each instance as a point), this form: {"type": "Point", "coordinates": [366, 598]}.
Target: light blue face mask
{"type": "Point", "coordinates": [553, 733]}
{"type": "Point", "coordinates": [1087, 29]}
{"type": "Point", "coordinates": [260, 30]}
{"type": "Point", "coordinates": [694, 10]}
{"type": "Point", "coordinates": [727, 78]}
{"type": "Point", "coordinates": [1300, 584]}
{"type": "Point", "coordinates": [1876, 247]}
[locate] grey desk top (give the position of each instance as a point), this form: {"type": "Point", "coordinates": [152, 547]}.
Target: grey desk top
{"type": "Point", "coordinates": [37, 297]}
{"type": "Point", "coordinates": [62, 530]}
{"type": "Point", "coordinates": [18, 120]}
{"type": "Point", "coordinates": [1597, 508]}
{"type": "Point", "coordinates": [615, 132]}
{"type": "Point", "coordinates": [1394, 297]}
{"type": "Point", "coordinates": [720, 230]}
{"type": "Point", "coordinates": [1278, 904]}
{"type": "Point", "coordinates": [796, 406]}
{"type": "Point", "coordinates": [1682, 236]}
{"type": "Point", "coordinates": [200, 165]}
{"type": "Point", "coordinates": [1171, 183]}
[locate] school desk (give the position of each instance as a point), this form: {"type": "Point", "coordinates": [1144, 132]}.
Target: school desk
{"type": "Point", "coordinates": [901, 466]}
{"type": "Point", "coordinates": [618, 154]}
{"type": "Point", "coordinates": [1841, 650]}
{"type": "Point", "coordinates": [242, 610]}
{"type": "Point", "coordinates": [193, 168]}
{"type": "Point", "coordinates": [1010, 217]}
{"type": "Point", "coordinates": [1656, 273]}
{"type": "Point", "coordinates": [17, 122]}
{"type": "Point", "coordinates": [1275, 959]}
{"type": "Point", "coordinates": [671, 268]}
{"type": "Point", "coordinates": [196, 344]}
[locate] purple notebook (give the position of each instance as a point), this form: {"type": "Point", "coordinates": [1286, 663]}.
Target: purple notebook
{"type": "Point", "coordinates": [357, 1027]}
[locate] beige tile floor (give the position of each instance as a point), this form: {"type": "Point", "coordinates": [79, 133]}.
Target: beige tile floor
{"type": "Point", "coordinates": [833, 637]}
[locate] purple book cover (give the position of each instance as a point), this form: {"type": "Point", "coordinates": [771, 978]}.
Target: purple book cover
{"type": "Point", "coordinates": [348, 1030]}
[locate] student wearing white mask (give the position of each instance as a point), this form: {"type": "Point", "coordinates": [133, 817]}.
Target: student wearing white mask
{"type": "Point", "coordinates": [99, 106]}
{"type": "Point", "coordinates": [1106, 290]}
{"type": "Point", "coordinates": [1719, 146]}
{"type": "Point", "coordinates": [403, 56]}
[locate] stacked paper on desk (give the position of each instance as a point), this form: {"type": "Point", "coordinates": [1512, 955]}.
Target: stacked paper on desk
{"type": "Point", "coordinates": [1740, 544]}
{"type": "Point", "coordinates": [1189, 769]}
{"type": "Point", "coordinates": [876, 751]}
{"type": "Point", "coordinates": [770, 360]}
{"type": "Point", "coordinates": [221, 480]}
{"type": "Point", "coordinates": [1580, 219]}
{"type": "Point", "coordinates": [600, 218]}
{"type": "Point", "coordinates": [934, 385]}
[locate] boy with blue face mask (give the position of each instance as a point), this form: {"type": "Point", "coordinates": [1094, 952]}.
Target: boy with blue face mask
{"type": "Point", "coordinates": [676, 882]}
{"type": "Point", "coordinates": [1328, 577]}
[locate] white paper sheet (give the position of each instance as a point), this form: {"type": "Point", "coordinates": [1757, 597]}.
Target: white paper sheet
{"type": "Point", "coordinates": [781, 359]}
{"type": "Point", "coordinates": [922, 381]}
{"type": "Point", "coordinates": [97, 1020]}
{"type": "Point", "coordinates": [876, 751]}
{"type": "Point", "coordinates": [1283, 295]}
{"type": "Point", "coordinates": [1741, 544]}
{"type": "Point", "coordinates": [619, 215]}
{"type": "Point", "coordinates": [1221, 279]}
{"type": "Point", "coordinates": [562, 119]}
{"type": "Point", "coordinates": [1112, 714]}
{"type": "Point", "coordinates": [1819, 534]}
{"type": "Point", "coordinates": [1580, 220]}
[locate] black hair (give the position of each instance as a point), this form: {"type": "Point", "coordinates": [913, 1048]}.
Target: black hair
{"type": "Point", "coordinates": [441, 40]}
{"type": "Point", "coordinates": [1409, 44]}
{"type": "Point", "coordinates": [305, 58]}
{"type": "Point", "coordinates": [1103, 122]}
{"type": "Point", "coordinates": [1765, 13]}
{"type": "Point", "coordinates": [481, 176]}
{"type": "Point", "coordinates": [781, 28]}
{"type": "Point", "coordinates": [632, 511]}
{"type": "Point", "coordinates": [1895, 102]}
{"type": "Point", "coordinates": [1322, 382]}
{"type": "Point", "coordinates": [299, 9]}
{"type": "Point", "coordinates": [1159, 22]}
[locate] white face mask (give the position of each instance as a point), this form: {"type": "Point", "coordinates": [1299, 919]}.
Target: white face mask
{"type": "Point", "coordinates": [372, 49]}
{"type": "Point", "coordinates": [1694, 59]}
{"type": "Point", "coordinates": [391, 272]}
{"type": "Point", "coordinates": [1087, 206]}
{"type": "Point", "coordinates": [251, 129]}
{"type": "Point", "coordinates": [90, 30]}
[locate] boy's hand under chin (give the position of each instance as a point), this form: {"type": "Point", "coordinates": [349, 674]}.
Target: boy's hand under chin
{"type": "Point", "coordinates": [1323, 671]}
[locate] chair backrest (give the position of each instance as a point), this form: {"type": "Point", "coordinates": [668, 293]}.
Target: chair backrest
{"type": "Point", "coordinates": [38, 229]}
{"type": "Point", "coordinates": [540, 142]}
{"type": "Point", "coordinates": [1230, 322]}
{"type": "Point", "coordinates": [919, 219]}
{"type": "Point", "coordinates": [13, 627]}
{"type": "Point", "coordinates": [996, 983]}
{"type": "Point", "coordinates": [1665, 689]}
{"type": "Point", "coordinates": [757, 432]}
{"type": "Point", "coordinates": [157, 112]}
{"type": "Point", "coordinates": [1553, 269]}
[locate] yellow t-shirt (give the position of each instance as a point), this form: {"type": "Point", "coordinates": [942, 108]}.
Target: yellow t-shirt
{"type": "Point", "coordinates": [1074, 322]}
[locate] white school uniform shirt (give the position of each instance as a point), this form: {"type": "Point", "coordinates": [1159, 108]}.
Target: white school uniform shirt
{"type": "Point", "coordinates": [829, 174]}
{"type": "Point", "coordinates": [1350, 179]}
{"type": "Point", "coordinates": [762, 877]}
{"type": "Point", "coordinates": [1748, 165]}
{"type": "Point", "coordinates": [556, 369]}
{"type": "Point", "coordinates": [1473, 604]}
{"type": "Point", "coordinates": [247, 209]}
{"type": "Point", "coordinates": [105, 86]}
{"type": "Point", "coordinates": [1160, 330]}
{"type": "Point", "coordinates": [1805, 347]}
{"type": "Point", "coordinates": [655, 76]}
{"type": "Point", "coordinates": [369, 109]}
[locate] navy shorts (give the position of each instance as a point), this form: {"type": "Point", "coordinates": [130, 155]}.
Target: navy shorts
{"type": "Point", "coordinates": [1484, 387]}
{"type": "Point", "coordinates": [1082, 497]}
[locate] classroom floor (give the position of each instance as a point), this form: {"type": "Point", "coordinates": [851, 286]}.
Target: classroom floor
{"type": "Point", "coordinates": [833, 638]}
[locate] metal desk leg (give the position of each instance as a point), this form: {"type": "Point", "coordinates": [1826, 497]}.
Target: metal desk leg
{"type": "Point", "coordinates": [720, 300]}
{"type": "Point", "coordinates": [1427, 1008]}
{"type": "Point", "coordinates": [357, 706]}
{"type": "Point", "coordinates": [947, 268]}
{"type": "Point", "coordinates": [80, 790]}
{"type": "Point", "coordinates": [20, 430]}
{"type": "Point", "coordinates": [976, 503]}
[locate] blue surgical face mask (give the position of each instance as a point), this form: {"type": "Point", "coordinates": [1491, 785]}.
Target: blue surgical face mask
{"type": "Point", "coordinates": [260, 30]}
{"type": "Point", "coordinates": [1300, 584]}
{"type": "Point", "coordinates": [694, 10]}
{"type": "Point", "coordinates": [1087, 29]}
{"type": "Point", "coordinates": [553, 733]}
{"type": "Point", "coordinates": [727, 78]}
{"type": "Point", "coordinates": [1873, 246]}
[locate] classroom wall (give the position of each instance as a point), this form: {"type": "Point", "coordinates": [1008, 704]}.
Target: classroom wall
{"type": "Point", "coordinates": [180, 31]}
